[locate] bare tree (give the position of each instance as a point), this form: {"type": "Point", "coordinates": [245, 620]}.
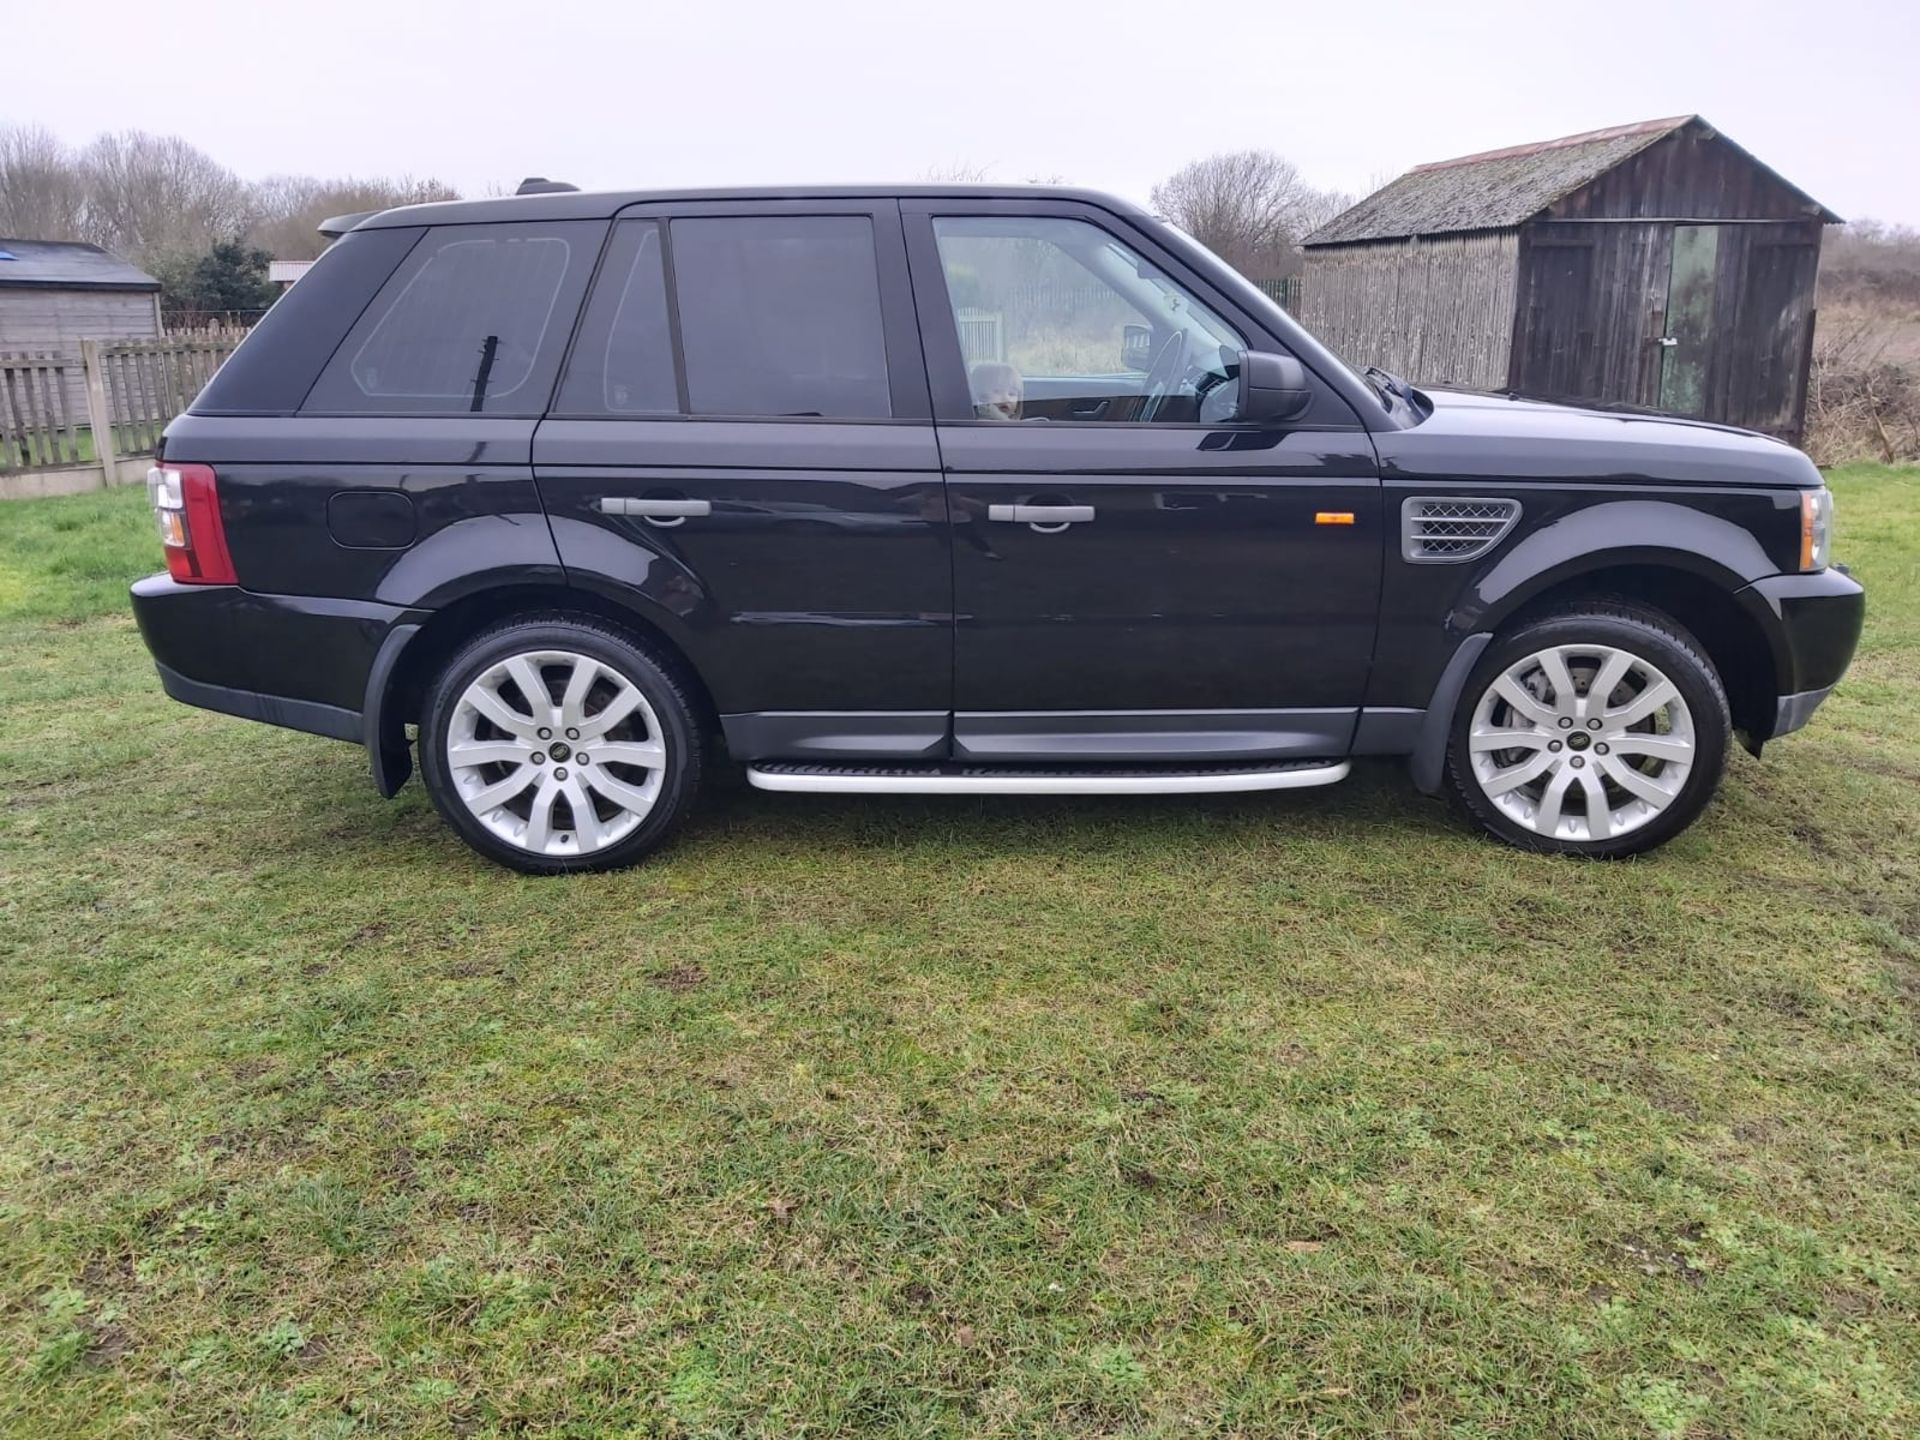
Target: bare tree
{"type": "Point", "coordinates": [150, 196]}
{"type": "Point", "coordinates": [289, 208]}
{"type": "Point", "coordinates": [958, 172]}
{"type": "Point", "coordinates": [42, 195]}
{"type": "Point", "coordinates": [1250, 207]}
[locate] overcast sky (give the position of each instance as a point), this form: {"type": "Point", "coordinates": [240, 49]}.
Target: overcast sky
{"type": "Point", "coordinates": [1106, 93]}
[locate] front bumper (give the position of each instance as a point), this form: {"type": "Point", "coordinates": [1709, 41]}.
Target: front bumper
{"type": "Point", "coordinates": [294, 660]}
{"type": "Point", "coordinates": [1813, 625]}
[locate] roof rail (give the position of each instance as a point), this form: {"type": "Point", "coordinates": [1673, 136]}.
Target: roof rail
{"type": "Point", "coordinates": [540, 185]}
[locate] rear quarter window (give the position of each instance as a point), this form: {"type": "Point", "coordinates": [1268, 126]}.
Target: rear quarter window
{"type": "Point", "coordinates": [473, 322]}
{"type": "Point", "coordinates": [276, 365]}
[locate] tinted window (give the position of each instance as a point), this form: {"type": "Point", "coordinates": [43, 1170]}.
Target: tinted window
{"type": "Point", "coordinates": [277, 363]}
{"type": "Point", "coordinates": [1060, 321]}
{"type": "Point", "coordinates": [473, 321]}
{"type": "Point", "coordinates": [623, 361]}
{"type": "Point", "coordinates": [781, 316]}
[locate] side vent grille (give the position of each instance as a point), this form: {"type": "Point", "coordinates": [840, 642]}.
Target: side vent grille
{"type": "Point", "coordinates": [1436, 529]}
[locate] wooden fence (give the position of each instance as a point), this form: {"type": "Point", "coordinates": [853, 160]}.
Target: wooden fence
{"type": "Point", "coordinates": [74, 422]}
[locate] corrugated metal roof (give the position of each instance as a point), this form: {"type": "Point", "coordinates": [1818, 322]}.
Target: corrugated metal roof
{"type": "Point", "coordinates": [1491, 190]}
{"type": "Point", "coordinates": [68, 265]}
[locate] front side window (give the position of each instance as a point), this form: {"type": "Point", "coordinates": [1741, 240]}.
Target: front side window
{"type": "Point", "coordinates": [780, 316]}
{"type": "Point", "coordinates": [472, 322]}
{"type": "Point", "coordinates": [1060, 321]}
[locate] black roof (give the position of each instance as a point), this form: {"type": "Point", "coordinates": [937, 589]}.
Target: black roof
{"type": "Point", "coordinates": [67, 265]}
{"type": "Point", "coordinates": [601, 204]}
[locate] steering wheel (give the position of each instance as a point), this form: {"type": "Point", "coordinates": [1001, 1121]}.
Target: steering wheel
{"type": "Point", "coordinates": [1168, 367]}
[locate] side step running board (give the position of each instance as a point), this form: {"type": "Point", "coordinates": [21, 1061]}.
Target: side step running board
{"type": "Point", "coordinates": [1039, 780]}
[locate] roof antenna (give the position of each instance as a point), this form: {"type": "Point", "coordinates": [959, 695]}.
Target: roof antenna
{"type": "Point", "coordinates": [540, 185]}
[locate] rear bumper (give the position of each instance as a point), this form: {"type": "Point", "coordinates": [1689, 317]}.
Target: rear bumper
{"type": "Point", "coordinates": [306, 715]}
{"type": "Point", "coordinates": [294, 660]}
{"type": "Point", "coordinates": [1813, 625]}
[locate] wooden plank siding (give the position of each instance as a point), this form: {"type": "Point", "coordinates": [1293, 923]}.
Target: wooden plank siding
{"type": "Point", "coordinates": [1438, 311]}
{"type": "Point", "coordinates": [49, 320]}
{"type": "Point", "coordinates": [1591, 303]}
{"type": "Point", "coordinates": [1693, 174]}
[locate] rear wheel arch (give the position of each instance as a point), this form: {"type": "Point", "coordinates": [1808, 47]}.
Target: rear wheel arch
{"type": "Point", "coordinates": [402, 697]}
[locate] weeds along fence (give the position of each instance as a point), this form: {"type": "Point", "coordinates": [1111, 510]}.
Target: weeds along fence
{"type": "Point", "coordinates": [71, 422]}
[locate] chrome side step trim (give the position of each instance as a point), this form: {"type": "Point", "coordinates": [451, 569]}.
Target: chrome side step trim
{"type": "Point", "coordinates": [921, 782]}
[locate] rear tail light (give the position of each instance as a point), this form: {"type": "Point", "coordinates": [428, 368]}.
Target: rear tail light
{"type": "Point", "coordinates": [187, 509]}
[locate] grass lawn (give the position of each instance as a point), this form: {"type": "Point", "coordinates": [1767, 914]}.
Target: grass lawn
{"type": "Point", "coordinates": [1303, 1114]}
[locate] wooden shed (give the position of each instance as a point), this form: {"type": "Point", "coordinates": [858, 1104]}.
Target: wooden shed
{"type": "Point", "coordinates": [56, 293]}
{"type": "Point", "coordinates": [1655, 266]}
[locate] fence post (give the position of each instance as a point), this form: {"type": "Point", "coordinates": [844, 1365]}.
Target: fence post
{"type": "Point", "coordinates": [99, 412]}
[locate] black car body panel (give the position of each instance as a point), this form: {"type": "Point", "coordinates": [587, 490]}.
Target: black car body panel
{"type": "Point", "coordinates": [848, 586]}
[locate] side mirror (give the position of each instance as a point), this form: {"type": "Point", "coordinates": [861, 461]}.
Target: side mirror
{"type": "Point", "coordinates": [1272, 388]}
{"type": "Point", "coordinates": [1136, 347]}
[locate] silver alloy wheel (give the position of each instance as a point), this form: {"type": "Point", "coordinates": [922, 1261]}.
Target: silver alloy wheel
{"type": "Point", "coordinates": [556, 752]}
{"type": "Point", "coordinates": [1581, 742]}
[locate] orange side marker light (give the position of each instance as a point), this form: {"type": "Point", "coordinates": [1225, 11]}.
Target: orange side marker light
{"type": "Point", "coordinates": [1333, 517]}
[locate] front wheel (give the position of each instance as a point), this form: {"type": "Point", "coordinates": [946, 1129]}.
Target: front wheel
{"type": "Point", "coordinates": [1599, 730]}
{"type": "Point", "coordinates": [556, 743]}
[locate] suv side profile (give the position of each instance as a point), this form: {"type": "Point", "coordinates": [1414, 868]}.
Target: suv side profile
{"type": "Point", "coordinates": [946, 489]}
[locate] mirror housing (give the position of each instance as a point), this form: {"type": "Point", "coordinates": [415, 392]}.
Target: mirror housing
{"type": "Point", "coordinates": [1136, 347]}
{"type": "Point", "coordinates": [1272, 388]}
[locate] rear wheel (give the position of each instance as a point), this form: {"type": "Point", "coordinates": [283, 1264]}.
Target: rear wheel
{"type": "Point", "coordinates": [1600, 731]}
{"type": "Point", "coordinates": [557, 743]}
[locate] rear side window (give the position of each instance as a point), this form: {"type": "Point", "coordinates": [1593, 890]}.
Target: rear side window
{"type": "Point", "coordinates": [275, 366]}
{"type": "Point", "coordinates": [623, 361]}
{"type": "Point", "coordinates": [780, 316]}
{"type": "Point", "coordinates": [474, 321]}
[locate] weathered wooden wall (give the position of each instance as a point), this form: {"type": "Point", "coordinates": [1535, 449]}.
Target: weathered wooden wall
{"type": "Point", "coordinates": [1591, 301]}
{"type": "Point", "coordinates": [1693, 174]}
{"type": "Point", "coordinates": [1438, 311]}
{"type": "Point", "coordinates": [34, 319]}
{"type": "Point", "coordinates": [1592, 304]}
{"type": "Point", "coordinates": [41, 320]}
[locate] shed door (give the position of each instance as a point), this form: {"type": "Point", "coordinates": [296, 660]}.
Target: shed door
{"type": "Point", "coordinates": [1773, 330]}
{"type": "Point", "coordinates": [1689, 338]}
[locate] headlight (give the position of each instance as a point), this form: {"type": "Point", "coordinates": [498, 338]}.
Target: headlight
{"type": "Point", "coordinates": [1816, 528]}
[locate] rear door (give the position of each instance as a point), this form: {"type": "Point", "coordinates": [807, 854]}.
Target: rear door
{"type": "Point", "coordinates": [1190, 586]}
{"type": "Point", "coordinates": [742, 448]}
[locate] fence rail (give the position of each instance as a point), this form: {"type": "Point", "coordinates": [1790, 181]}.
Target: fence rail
{"type": "Point", "coordinates": [38, 426]}
{"type": "Point", "coordinates": [67, 422]}
{"type": "Point", "coordinates": [151, 381]}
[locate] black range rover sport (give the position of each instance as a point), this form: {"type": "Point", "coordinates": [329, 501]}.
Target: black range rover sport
{"type": "Point", "coordinates": [946, 490]}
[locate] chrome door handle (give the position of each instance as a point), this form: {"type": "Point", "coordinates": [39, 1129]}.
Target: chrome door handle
{"type": "Point", "coordinates": [1045, 518]}
{"type": "Point", "coordinates": [661, 511]}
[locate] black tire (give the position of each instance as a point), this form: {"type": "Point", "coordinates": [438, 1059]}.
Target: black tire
{"type": "Point", "coordinates": [1653, 638]}
{"type": "Point", "coordinates": [665, 694]}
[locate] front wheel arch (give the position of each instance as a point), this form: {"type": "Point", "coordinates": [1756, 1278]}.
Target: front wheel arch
{"type": "Point", "coordinates": [1744, 652]}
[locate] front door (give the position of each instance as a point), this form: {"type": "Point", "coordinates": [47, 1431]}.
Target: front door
{"type": "Point", "coordinates": [1137, 575]}
{"type": "Point", "coordinates": [1690, 304]}
{"type": "Point", "coordinates": [741, 450]}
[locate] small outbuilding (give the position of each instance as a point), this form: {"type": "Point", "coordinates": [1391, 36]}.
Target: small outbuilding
{"type": "Point", "coordinates": [1655, 266]}
{"type": "Point", "coordinates": [56, 293]}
